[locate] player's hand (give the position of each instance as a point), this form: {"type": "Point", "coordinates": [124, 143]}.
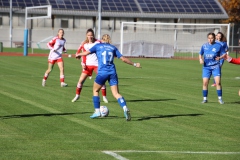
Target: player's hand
{"type": "Point", "coordinates": [201, 61]}
{"type": "Point", "coordinates": [77, 56]}
{"type": "Point", "coordinates": [228, 58]}
{"type": "Point", "coordinates": [217, 58]}
{"type": "Point", "coordinates": [83, 65]}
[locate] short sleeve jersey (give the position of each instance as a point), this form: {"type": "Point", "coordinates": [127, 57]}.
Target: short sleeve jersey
{"type": "Point", "coordinates": [210, 52]}
{"type": "Point", "coordinates": [105, 53]}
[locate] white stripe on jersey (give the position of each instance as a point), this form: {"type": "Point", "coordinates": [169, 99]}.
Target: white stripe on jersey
{"type": "Point", "coordinates": [91, 59]}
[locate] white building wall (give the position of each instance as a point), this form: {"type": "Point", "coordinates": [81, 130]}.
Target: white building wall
{"type": "Point", "coordinates": [75, 33]}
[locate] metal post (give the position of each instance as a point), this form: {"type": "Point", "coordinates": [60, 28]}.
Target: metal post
{"type": "Point", "coordinates": [10, 16]}
{"type": "Point", "coordinates": [25, 50]}
{"type": "Point", "coordinates": [232, 36]}
{"type": "Point", "coordinates": [228, 34]}
{"type": "Point", "coordinates": [99, 18]}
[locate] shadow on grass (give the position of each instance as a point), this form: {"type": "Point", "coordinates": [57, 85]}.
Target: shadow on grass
{"type": "Point", "coordinates": [141, 100]}
{"type": "Point", "coordinates": [40, 115]}
{"type": "Point", "coordinates": [167, 116]}
{"type": "Point", "coordinates": [237, 102]}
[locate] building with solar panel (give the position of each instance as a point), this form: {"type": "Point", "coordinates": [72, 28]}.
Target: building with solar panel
{"type": "Point", "coordinates": [76, 16]}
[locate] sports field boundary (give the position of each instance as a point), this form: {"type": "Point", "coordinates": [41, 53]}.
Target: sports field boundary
{"type": "Point", "coordinates": [119, 157]}
{"type": "Point", "coordinates": [30, 54]}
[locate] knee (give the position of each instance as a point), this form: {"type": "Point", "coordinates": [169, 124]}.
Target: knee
{"type": "Point", "coordinates": [205, 83]}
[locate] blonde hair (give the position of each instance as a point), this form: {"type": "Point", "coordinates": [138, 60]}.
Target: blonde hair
{"type": "Point", "coordinates": [106, 38]}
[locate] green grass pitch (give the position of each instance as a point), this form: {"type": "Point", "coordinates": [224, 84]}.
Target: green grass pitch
{"type": "Point", "coordinates": [168, 120]}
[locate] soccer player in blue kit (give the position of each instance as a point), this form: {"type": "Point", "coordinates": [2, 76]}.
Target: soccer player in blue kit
{"type": "Point", "coordinates": [220, 38]}
{"type": "Point", "coordinates": [210, 55]}
{"type": "Point", "coordinates": [107, 72]}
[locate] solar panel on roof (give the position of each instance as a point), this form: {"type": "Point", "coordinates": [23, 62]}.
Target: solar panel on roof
{"type": "Point", "coordinates": [154, 6]}
{"type": "Point", "coordinates": [180, 6]}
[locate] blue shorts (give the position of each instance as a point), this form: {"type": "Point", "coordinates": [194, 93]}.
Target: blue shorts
{"type": "Point", "coordinates": [212, 70]}
{"type": "Point", "coordinates": [111, 78]}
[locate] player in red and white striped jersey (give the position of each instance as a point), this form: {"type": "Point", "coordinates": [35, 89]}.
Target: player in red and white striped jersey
{"type": "Point", "coordinates": [89, 64]}
{"type": "Point", "coordinates": [56, 46]}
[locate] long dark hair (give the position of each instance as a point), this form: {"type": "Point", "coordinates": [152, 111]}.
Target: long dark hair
{"type": "Point", "coordinates": [223, 38]}
{"type": "Point", "coordinates": [90, 30]}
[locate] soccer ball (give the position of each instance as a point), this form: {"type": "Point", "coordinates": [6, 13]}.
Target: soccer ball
{"type": "Point", "coordinates": [104, 111]}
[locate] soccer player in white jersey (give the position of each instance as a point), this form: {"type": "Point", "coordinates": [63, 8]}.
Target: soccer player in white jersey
{"type": "Point", "coordinates": [89, 64]}
{"type": "Point", "coordinates": [107, 72]}
{"type": "Point", "coordinates": [220, 38]}
{"type": "Point", "coordinates": [209, 56]}
{"type": "Point", "coordinates": [56, 46]}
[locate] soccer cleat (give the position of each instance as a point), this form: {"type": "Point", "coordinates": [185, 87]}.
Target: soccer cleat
{"type": "Point", "coordinates": [43, 82]}
{"type": "Point", "coordinates": [204, 101]}
{"type": "Point", "coordinates": [127, 115]}
{"type": "Point", "coordinates": [105, 99]}
{"type": "Point", "coordinates": [75, 98]}
{"type": "Point", "coordinates": [213, 85]}
{"type": "Point", "coordinates": [220, 101]}
{"type": "Point", "coordinates": [64, 84]}
{"type": "Point", "coordinates": [95, 115]}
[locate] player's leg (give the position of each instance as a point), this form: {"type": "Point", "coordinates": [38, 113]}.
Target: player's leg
{"type": "Point", "coordinates": [46, 74]}
{"type": "Point", "coordinates": [214, 83]}
{"type": "Point", "coordinates": [104, 90]}
{"type": "Point", "coordinates": [104, 93]}
{"type": "Point", "coordinates": [61, 69]}
{"type": "Point", "coordinates": [239, 92]}
{"type": "Point", "coordinates": [81, 80]}
{"type": "Point", "coordinates": [96, 100]}
{"type": "Point", "coordinates": [206, 74]}
{"type": "Point", "coordinates": [121, 101]}
{"type": "Point", "coordinates": [98, 83]}
{"type": "Point", "coordinates": [217, 77]}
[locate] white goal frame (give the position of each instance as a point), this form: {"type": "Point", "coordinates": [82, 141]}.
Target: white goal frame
{"type": "Point", "coordinates": [127, 29]}
{"type": "Point", "coordinates": [48, 15]}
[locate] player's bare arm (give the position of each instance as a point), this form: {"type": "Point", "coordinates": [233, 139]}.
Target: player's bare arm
{"type": "Point", "coordinates": [201, 59]}
{"type": "Point", "coordinates": [128, 61]}
{"type": "Point", "coordinates": [221, 57]}
{"type": "Point", "coordinates": [83, 54]}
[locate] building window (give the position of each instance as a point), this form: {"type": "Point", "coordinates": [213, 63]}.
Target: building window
{"type": "Point", "coordinates": [64, 23]}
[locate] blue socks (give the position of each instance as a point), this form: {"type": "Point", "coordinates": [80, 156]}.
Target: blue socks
{"type": "Point", "coordinates": [205, 93]}
{"type": "Point", "coordinates": [122, 102]}
{"type": "Point", "coordinates": [96, 102]}
{"type": "Point", "coordinates": [219, 92]}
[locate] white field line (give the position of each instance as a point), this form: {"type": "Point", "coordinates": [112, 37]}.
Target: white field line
{"type": "Point", "coordinates": [117, 156]}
